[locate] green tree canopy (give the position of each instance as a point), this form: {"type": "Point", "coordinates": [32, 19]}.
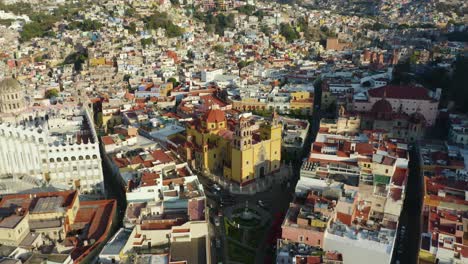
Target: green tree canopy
{"type": "Point", "coordinates": [162, 20]}
{"type": "Point", "coordinates": [174, 82]}
{"type": "Point", "coordinates": [246, 9]}
{"type": "Point", "coordinates": [218, 48]}
{"type": "Point", "coordinates": [288, 32]}
{"type": "Point", "coordinates": [51, 93]}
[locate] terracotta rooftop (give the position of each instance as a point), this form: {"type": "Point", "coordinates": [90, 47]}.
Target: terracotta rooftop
{"type": "Point", "coordinates": [401, 92]}
{"type": "Point", "coordinates": [107, 140]}
{"type": "Point", "coordinates": [215, 116]}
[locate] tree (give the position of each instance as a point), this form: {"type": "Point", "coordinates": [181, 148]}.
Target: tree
{"type": "Point", "coordinates": [85, 25]}
{"type": "Point", "coordinates": [32, 30]}
{"type": "Point", "coordinates": [77, 59]}
{"type": "Point", "coordinates": [132, 28]}
{"type": "Point", "coordinates": [242, 64]}
{"type": "Point", "coordinates": [265, 29]}
{"type": "Point", "coordinates": [288, 32]}
{"type": "Point", "coordinates": [51, 93]}
{"type": "Point", "coordinates": [99, 120]}
{"type": "Point", "coordinates": [246, 9]}
{"type": "Point", "coordinates": [130, 12]}
{"type": "Point", "coordinates": [174, 82]}
{"type": "Point", "coordinates": [175, 3]}
{"type": "Point", "coordinates": [260, 14]}
{"type": "Point", "coordinates": [218, 48]}
{"type": "Point", "coordinates": [162, 20]}
{"type": "Point", "coordinates": [146, 42]}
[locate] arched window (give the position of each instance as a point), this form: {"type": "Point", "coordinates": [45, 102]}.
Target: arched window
{"type": "Point", "coordinates": [59, 160]}
{"type": "Point", "coordinates": [51, 160]}
{"type": "Point", "coordinates": [80, 157]}
{"type": "Point", "coordinates": [65, 159]}
{"type": "Point", "coordinates": [88, 157]}
{"type": "Point", "coordinates": [94, 156]}
{"type": "Point", "coordinates": [73, 158]}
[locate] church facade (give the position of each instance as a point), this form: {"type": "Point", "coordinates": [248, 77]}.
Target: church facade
{"type": "Point", "coordinates": [240, 149]}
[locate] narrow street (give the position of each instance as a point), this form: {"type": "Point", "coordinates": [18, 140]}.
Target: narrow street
{"type": "Point", "coordinates": [409, 229]}
{"type": "Point", "coordinates": [114, 191]}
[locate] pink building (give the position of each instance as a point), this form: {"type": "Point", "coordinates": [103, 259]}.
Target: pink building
{"type": "Point", "coordinates": [306, 222]}
{"type": "Point", "coordinates": [404, 99]}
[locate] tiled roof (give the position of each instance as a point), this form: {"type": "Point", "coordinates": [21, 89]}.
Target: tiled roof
{"type": "Point", "coordinates": [215, 116]}
{"type": "Point", "coordinates": [401, 92]}
{"type": "Point", "coordinates": [107, 140]}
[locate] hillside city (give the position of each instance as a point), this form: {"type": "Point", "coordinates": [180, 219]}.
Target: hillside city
{"type": "Point", "coordinates": [222, 131]}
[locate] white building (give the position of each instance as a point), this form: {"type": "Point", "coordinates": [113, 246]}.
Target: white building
{"type": "Point", "coordinates": [57, 145]}
{"type": "Point", "coordinates": [377, 247]}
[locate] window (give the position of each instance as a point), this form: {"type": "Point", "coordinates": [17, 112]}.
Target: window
{"type": "Point", "coordinates": [214, 156]}
{"type": "Point", "coordinates": [386, 170]}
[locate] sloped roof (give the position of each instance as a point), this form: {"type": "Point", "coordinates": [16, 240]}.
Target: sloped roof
{"type": "Point", "coordinates": [215, 116]}
{"type": "Point", "coordinates": [401, 92]}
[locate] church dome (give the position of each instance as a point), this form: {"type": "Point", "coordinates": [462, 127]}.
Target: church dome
{"type": "Point", "coordinates": [9, 85]}
{"type": "Point", "coordinates": [215, 116]}
{"type": "Point", "coordinates": [11, 96]}
{"type": "Point", "coordinates": [382, 106]}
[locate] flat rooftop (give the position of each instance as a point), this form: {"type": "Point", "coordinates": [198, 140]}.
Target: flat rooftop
{"type": "Point", "coordinates": [192, 252]}
{"type": "Point", "coordinates": [115, 245]}
{"type": "Point", "coordinates": [48, 205]}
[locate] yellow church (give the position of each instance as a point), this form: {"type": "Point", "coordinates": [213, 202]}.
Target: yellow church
{"type": "Point", "coordinates": [240, 149]}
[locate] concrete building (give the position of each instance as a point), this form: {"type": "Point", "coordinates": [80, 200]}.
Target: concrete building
{"type": "Point", "coordinates": [402, 99]}
{"type": "Point", "coordinates": [59, 147]}
{"type": "Point", "coordinates": [56, 145]}
{"type": "Point", "coordinates": [50, 222]}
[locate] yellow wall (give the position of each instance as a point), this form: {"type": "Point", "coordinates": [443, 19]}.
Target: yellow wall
{"type": "Point", "coordinates": [242, 162]}
{"type": "Point", "coordinates": [300, 95]}
{"type": "Point", "coordinates": [14, 236]}
{"type": "Point", "coordinates": [71, 213]}
{"type": "Point", "coordinates": [97, 61]}
{"type": "Point", "coordinates": [249, 104]}
{"type": "Point", "coordinates": [165, 89]}
{"type": "Point", "coordinates": [45, 216]}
